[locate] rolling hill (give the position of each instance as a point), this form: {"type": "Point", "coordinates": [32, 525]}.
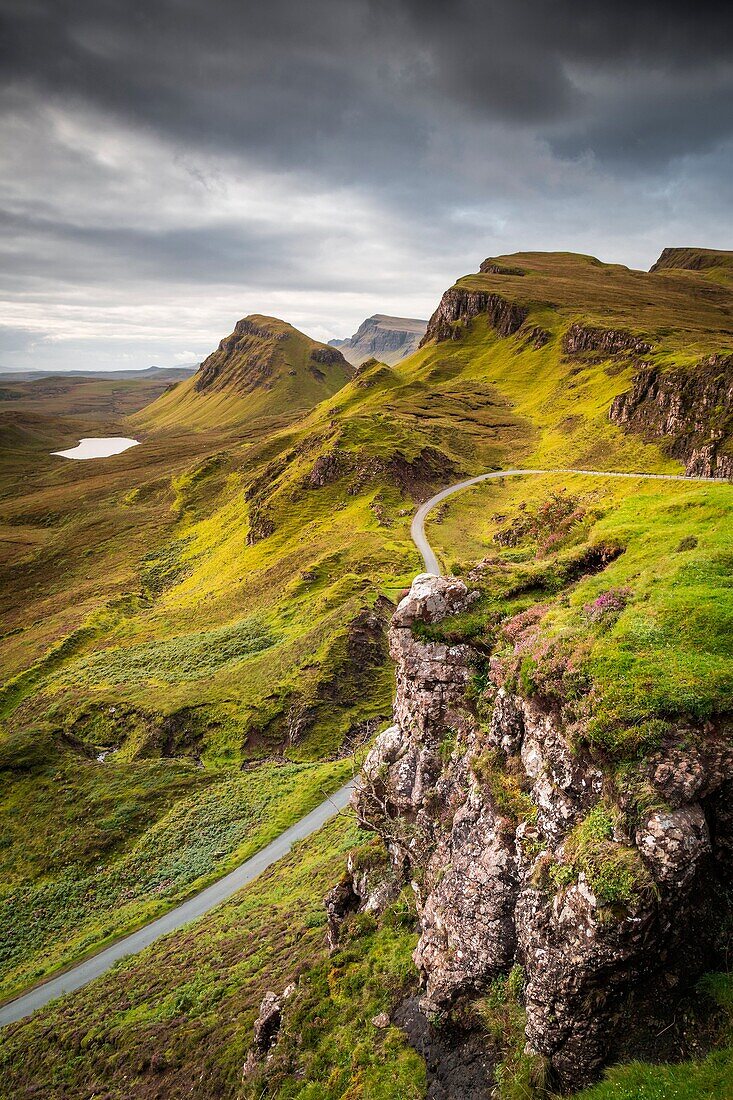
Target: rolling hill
{"type": "Point", "coordinates": [210, 610]}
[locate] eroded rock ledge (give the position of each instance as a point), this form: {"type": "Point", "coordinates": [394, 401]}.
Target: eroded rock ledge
{"type": "Point", "coordinates": [689, 409]}
{"type": "Point", "coordinates": [582, 339]}
{"type": "Point", "coordinates": [481, 817]}
{"type": "Point", "coordinates": [460, 304]}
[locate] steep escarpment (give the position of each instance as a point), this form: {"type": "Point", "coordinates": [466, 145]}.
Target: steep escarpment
{"type": "Point", "coordinates": [459, 305]}
{"type": "Point", "coordinates": [583, 339]}
{"type": "Point", "coordinates": [522, 851]}
{"type": "Point", "coordinates": [690, 410]}
{"type": "Point", "coordinates": [387, 339]}
{"type": "Point", "coordinates": [694, 259]}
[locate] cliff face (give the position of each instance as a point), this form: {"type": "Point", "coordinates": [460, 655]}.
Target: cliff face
{"type": "Point", "coordinates": [519, 851]}
{"type": "Point", "coordinates": [580, 339]}
{"type": "Point", "coordinates": [245, 357]}
{"type": "Point", "coordinates": [460, 305]}
{"type": "Point", "coordinates": [387, 339]}
{"type": "Point", "coordinates": [691, 410]}
{"type": "Point", "coordinates": [692, 259]}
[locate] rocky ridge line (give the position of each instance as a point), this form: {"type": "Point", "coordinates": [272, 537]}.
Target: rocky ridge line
{"type": "Point", "coordinates": [386, 339]}
{"type": "Point", "coordinates": [460, 304]}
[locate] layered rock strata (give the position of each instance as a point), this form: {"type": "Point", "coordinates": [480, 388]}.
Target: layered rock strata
{"type": "Point", "coordinates": [461, 305]}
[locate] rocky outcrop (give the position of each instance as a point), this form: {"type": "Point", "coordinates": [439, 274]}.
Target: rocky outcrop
{"type": "Point", "coordinates": [494, 267]}
{"type": "Point", "coordinates": [386, 339]}
{"type": "Point", "coordinates": [261, 523]}
{"type": "Point", "coordinates": [363, 889]}
{"type": "Point", "coordinates": [417, 475]}
{"type": "Point", "coordinates": [461, 305]}
{"type": "Point", "coordinates": [327, 355]}
{"type": "Point", "coordinates": [689, 410]}
{"type": "Point", "coordinates": [582, 339]}
{"type": "Point", "coordinates": [266, 1028]}
{"type": "Point", "coordinates": [519, 852]}
{"type": "Point", "coordinates": [328, 467]}
{"type": "Point", "coordinates": [537, 337]}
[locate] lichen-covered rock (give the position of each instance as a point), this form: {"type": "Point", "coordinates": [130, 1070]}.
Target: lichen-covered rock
{"type": "Point", "coordinates": [497, 877]}
{"type": "Point", "coordinates": [467, 919]}
{"type": "Point", "coordinates": [362, 889]}
{"type": "Point", "coordinates": [266, 1028]}
{"type": "Point", "coordinates": [564, 782]}
{"type": "Point", "coordinates": [672, 844]}
{"type": "Point", "coordinates": [267, 1023]}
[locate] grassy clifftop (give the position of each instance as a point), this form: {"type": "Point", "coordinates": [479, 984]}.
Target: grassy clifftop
{"type": "Point", "coordinates": [683, 307]}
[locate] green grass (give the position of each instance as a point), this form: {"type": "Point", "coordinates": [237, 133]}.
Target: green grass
{"type": "Point", "coordinates": [519, 1075]}
{"type": "Point", "coordinates": [329, 1047]}
{"type": "Point", "coordinates": [666, 655]}
{"type": "Point", "coordinates": [108, 847]}
{"type": "Point", "coordinates": [190, 1001]}
{"type": "Point", "coordinates": [614, 872]}
{"type": "Point", "coordinates": [187, 657]}
{"type": "Point", "coordinates": [710, 1077]}
{"type": "Point", "coordinates": [136, 596]}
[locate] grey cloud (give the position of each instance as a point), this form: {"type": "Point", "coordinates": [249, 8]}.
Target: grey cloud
{"type": "Point", "coordinates": [443, 130]}
{"type": "Point", "coordinates": [360, 83]}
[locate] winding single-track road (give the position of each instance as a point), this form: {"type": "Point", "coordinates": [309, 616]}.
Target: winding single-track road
{"type": "Point", "coordinates": [418, 524]}
{"type": "Point", "coordinates": [91, 968]}
{"type": "Point", "coordinates": [199, 904]}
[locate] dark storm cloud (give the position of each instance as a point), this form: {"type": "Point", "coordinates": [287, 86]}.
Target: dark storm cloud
{"type": "Point", "coordinates": [361, 83]}
{"type": "Point", "coordinates": [330, 158]}
{"type": "Point", "coordinates": [211, 254]}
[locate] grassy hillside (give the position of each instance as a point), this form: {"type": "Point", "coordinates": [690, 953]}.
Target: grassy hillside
{"type": "Point", "coordinates": [266, 370]}
{"type": "Point", "coordinates": [176, 1021]}
{"type": "Point", "coordinates": [218, 596]}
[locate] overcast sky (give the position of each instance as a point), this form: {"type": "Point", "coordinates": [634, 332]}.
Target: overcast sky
{"type": "Point", "coordinates": [168, 166]}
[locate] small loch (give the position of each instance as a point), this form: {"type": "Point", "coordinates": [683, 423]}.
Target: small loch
{"type": "Point", "coordinates": [98, 448]}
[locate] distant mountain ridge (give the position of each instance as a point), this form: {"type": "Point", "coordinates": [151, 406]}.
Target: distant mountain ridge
{"type": "Point", "coordinates": [20, 374]}
{"type": "Point", "coordinates": [381, 337]}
